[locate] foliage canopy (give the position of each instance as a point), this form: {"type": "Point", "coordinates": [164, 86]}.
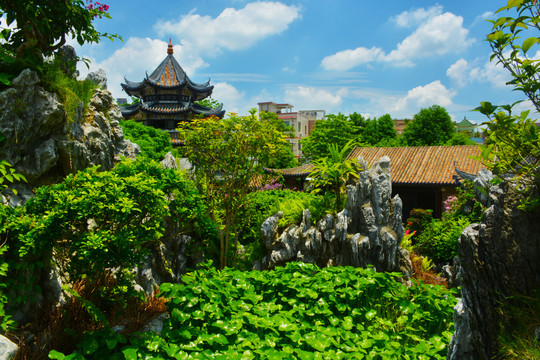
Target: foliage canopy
{"type": "Point", "coordinates": [430, 127]}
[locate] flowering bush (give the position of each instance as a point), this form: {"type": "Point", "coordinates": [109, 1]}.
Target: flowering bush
{"type": "Point", "coordinates": [273, 186]}
{"type": "Point", "coordinates": [418, 220]}
{"type": "Point", "coordinates": [450, 203]}
{"type": "Point", "coordinates": [98, 9]}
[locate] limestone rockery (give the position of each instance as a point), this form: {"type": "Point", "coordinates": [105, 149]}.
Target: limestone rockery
{"type": "Point", "coordinates": [367, 232]}
{"type": "Point", "coordinates": [44, 146]}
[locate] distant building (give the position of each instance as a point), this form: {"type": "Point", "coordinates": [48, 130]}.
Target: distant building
{"type": "Point", "coordinates": [399, 125]}
{"type": "Point", "coordinates": [168, 97]}
{"type": "Point", "coordinates": [302, 121]}
{"type": "Point", "coordinates": [466, 127]}
{"type": "Point", "coordinates": [121, 101]}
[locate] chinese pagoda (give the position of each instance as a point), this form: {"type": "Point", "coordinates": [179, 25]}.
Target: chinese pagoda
{"type": "Point", "coordinates": [168, 97]}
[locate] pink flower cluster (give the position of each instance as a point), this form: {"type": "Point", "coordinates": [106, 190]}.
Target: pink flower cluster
{"type": "Point", "coordinates": [274, 186]}
{"type": "Point", "coordinates": [449, 203]}
{"type": "Point", "coordinates": [99, 7]}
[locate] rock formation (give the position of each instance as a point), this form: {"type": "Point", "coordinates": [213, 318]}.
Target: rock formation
{"type": "Point", "coordinates": [499, 258]}
{"type": "Point", "coordinates": [367, 232]}
{"type": "Point", "coordinates": [44, 146]}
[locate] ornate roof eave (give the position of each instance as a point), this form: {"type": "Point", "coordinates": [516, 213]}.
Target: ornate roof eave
{"type": "Point", "coordinates": [130, 110]}
{"type": "Point", "coordinates": [151, 108]}
{"type": "Point", "coordinates": [203, 110]}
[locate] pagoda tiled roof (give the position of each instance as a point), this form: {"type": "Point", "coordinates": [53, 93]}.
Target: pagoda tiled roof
{"type": "Point", "coordinates": [172, 108]}
{"type": "Point", "coordinates": [169, 74]}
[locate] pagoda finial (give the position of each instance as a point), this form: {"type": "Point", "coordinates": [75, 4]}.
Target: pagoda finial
{"type": "Point", "coordinates": [170, 48]}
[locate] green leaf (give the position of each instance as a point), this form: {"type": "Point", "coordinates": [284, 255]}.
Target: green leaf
{"type": "Point", "coordinates": [371, 314]}
{"type": "Point", "coordinates": [53, 354]}
{"type": "Point", "coordinates": [528, 43]}
{"type": "Point", "coordinates": [130, 353]}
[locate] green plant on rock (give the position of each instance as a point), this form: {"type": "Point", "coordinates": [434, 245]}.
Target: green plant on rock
{"type": "Point", "coordinates": [334, 171]}
{"type": "Point", "coordinates": [74, 94]}
{"type": "Point", "coordinates": [97, 224]}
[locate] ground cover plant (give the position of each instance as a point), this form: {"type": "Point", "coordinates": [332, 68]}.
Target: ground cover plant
{"type": "Point", "coordinates": [297, 312]}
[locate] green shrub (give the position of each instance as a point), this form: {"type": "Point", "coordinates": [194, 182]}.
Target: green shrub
{"type": "Point", "coordinates": [296, 312]}
{"type": "Point", "coordinates": [154, 143]}
{"type": "Point", "coordinates": [96, 223]}
{"type": "Point", "coordinates": [418, 220]}
{"type": "Point", "coordinates": [439, 240]}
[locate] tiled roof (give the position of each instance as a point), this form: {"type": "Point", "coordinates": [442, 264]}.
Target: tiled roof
{"type": "Point", "coordinates": [300, 171]}
{"type": "Point", "coordinates": [171, 108]}
{"type": "Point", "coordinates": [433, 165]}
{"type": "Point", "coordinates": [165, 108]}
{"type": "Point", "coordinates": [169, 74]}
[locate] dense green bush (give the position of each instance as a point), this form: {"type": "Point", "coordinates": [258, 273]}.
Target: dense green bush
{"type": "Point", "coordinates": [294, 312]}
{"type": "Point", "coordinates": [154, 143]}
{"type": "Point", "coordinates": [418, 220]}
{"type": "Point", "coordinates": [97, 223]}
{"type": "Point", "coordinates": [439, 240]}
{"type": "Point", "coordinates": [265, 203]}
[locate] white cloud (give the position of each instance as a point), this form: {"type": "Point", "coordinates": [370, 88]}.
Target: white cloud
{"type": "Point", "coordinates": [459, 72]}
{"type": "Point", "coordinates": [440, 35]}
{"type": "Point", "coordinates": [348, 59]}
{"type": "Point", "coordinates": [312, 98]}
{"type": "Point", "coordinates": [232, 29]}
{"type": "Point", "coordinates": [138, 56]}
{"type": "Point", "coordinates": [434, 93]}
{"type": "Point", "coordinates": [415, 17]}
{"type": "Point", "coordinates": [463, 73]}
{"type": "Point", "coordinates": [437, 34]}
{"type": "Point", "coordinates": [233, 100]}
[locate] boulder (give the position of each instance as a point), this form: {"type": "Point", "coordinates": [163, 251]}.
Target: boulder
{"type": "Point", "coordinates": [43, 145]}
{"type": "Point", "coordinates": [499, 259]}
{"type": "Point", "coordinates": [8, 349]}
{"type": "Point", "coordinates": [367, 232]}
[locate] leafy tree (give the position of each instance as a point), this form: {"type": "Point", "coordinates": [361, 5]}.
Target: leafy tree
{"type": "Point", "coordinates": [335, 170]}
{"type": "Point", "coordinates": [284, 157]}
{"type": "Point", "coordinates": [460, 139]}
{"type": "Point", "coordinates": [379, 130]}
{"type": "Point", "coordinates": [209, 103]}
{"type": "Point", "coordinates": [336, 130]}
{"type": "Point", "coordinates": [43, 26]}
{"type": "Point", "coordinates": [359, 122]}
{"type": "Point", "coordinates": [431, 126]}
{"type": "Point", "coordinates": [227, 154]}
{"type": "Point", "coordinates": [513, 141]}
{"type": "Point", "coordinates": [154, 143]}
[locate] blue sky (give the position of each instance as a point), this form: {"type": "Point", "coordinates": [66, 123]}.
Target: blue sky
{"type": "Point", "coordinates": [349, 56]}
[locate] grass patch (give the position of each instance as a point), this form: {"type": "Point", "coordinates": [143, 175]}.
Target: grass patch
{"type": "Point", "coordinates": [73, 93]}
{"type": "Point", "coordinates": [521, 318]}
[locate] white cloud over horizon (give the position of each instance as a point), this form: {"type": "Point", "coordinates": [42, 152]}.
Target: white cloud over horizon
{"type": "Point", "coordinates": [232, 29]}
{"type": "Point", "coordinates": [313, 98]}
{"type": "Point", "coordinates": [437, 34]}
